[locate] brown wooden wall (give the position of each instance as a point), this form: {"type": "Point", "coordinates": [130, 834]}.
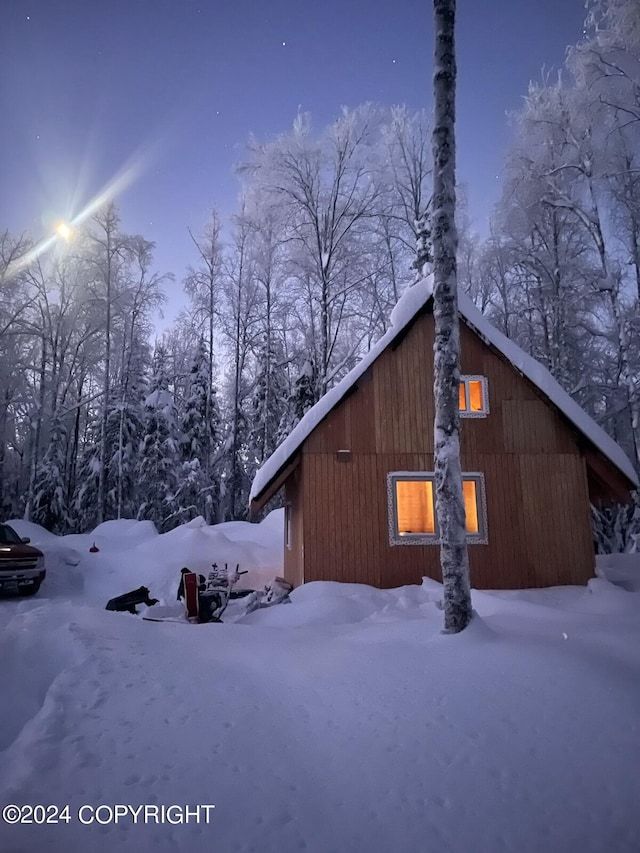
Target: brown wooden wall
{"type": "Point", "coordinates": [536, 479]}
{"type": "Point", "coordinates": [294, 555]}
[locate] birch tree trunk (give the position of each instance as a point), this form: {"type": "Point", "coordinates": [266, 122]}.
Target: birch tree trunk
{"type": "Point", "coordinates": [448, 477]}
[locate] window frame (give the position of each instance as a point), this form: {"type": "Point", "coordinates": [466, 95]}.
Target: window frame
{"type": "Point", "coordinates": [287, 526]}
{"type": "Point", "coordinates": [464, 380]}
{"type": "Point", "coordinates": [395, 538]}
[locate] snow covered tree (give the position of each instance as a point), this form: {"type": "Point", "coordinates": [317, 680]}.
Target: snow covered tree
{"type": "Point", "coordinates": [124, 291]}
{"type": "Point", "coordinates": [326, 194]}
{"type": "Point", "coordinates": [240, 324]}
{"type": "Point", "coordinates": [408, 190]}
{"type": "Point", "coordinates": [15, 301]}
{"type": "Point", "coordinates": [616, 529]}
{"type": "Point", "coordinates": [85, 500]}
{"type": "Point", "coordinates": [108, 248]}
{"type": "Point", "coordinates": [303, 396]}
{"type": "Point", "coordinates": [125, 434]}
{"type": "Point", "coordinates": [203, 285]}
{"type": "Point", "coordinates": [67, 322]}
{"type": "Point", "coordinates": [606, 61]}
{"type": "Point", "coordinates": [448, 475]}
{"type": "Point", "coordinates": [606, 68]}
{"type": "Point", "coordinates": [159, 460]}
{"type": "Point", "coordinates": [50, 501]}
{"type": "Point", "coordinates": [269, 387]}
{"type": "Point", "coordinates": [198, 492]}
{"type": "Point", "coordinates": [235, 478]}
{"type": "Point", "coordinates": [267, 401]}
{"type": "Point", "coordinates": [198, 436]}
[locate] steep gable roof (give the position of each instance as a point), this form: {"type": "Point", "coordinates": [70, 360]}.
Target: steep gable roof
{"type": "Point", "coordinates": [411, 303]}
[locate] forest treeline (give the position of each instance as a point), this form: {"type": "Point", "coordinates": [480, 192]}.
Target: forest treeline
{"type": "Point", "coordinates": [101, 419]}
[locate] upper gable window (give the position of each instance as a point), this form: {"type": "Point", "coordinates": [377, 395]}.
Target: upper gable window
{"type": "Point", "coordinates": [474, 397]}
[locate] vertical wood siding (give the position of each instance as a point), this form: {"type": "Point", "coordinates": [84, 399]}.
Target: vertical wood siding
{"type": "Point", "coordinates": [535, 475]}
{"type": "Point", "coordinates": [294, 556]}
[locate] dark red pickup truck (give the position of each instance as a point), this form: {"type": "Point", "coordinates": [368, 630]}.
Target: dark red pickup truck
{"type": "Point", "coordinates": [21, 565]}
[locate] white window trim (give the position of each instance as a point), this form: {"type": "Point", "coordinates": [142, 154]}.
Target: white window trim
{"type": "Point", "coordinates": [485, 395]}
{"type": "Point", "coordinates": [480, 538]}
{"type": "Point", "coordinates": [287, 526]}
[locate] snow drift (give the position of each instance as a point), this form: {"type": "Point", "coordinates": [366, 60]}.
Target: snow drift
{"type": "Point", "coordinates": [344, 721]}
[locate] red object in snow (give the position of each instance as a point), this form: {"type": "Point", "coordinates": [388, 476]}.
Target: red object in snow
{"type": "Point", "coordinates": [94, 549]}
{"type": "Point", "coordinates": [191, 595]}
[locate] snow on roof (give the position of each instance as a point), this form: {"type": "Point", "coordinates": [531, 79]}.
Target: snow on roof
{"type": "Point", "coordinates": [407, 307]}
{"type": "Point", "coordinates": [541, 377]}
{"type": "Point", "coordinates": [412, 300]}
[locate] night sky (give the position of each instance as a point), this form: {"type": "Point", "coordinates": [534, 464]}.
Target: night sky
{"type": "Point", "coordinates": [169, 91]}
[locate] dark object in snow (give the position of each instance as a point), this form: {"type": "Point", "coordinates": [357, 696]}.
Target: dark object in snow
{"type": "Point", "coordinates": [213, 601]}
{"type": "Point", "coordinates": [191, 599]}
{"type": "Point", "coordinates": [183, 572]}
{"type": "Point", "coordinates": [128, 601]}
{"type": "Point", "coordinates": [94, 549]}
{"type": "Point", "coordinates": [177, 619]}
{"type": "Point", "coordinates": [240, 593]}
{"type": "Point", "coordinates": [210, 604]}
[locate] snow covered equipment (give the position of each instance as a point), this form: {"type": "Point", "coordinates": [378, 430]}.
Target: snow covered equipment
{"type": "Point", "coordinates": [210, 604]}
{"type": "Point", "coordinates": [217, 592]}
{"type": "Point", "coordinates": [127, 603]}
{"type": "Point", "coordinates": [275, 592]}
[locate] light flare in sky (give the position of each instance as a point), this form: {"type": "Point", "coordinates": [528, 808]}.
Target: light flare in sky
{"type": "Point", "coordinates": [137, 164]}
{"type": "Point", "coordinates": [65, 231]}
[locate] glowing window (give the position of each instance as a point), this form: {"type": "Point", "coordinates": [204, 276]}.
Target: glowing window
{"type": "Point", "coordinates": [474, 398]}
{"type": "Point", "coordinates": [414, 499]}
{"type": "Point", "coordinates": [412, 516]}
{"type": "Point", "coordinates": [470, 495]}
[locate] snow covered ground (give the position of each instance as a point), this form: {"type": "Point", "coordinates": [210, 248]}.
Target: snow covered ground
{"type": "Point", "coordinates": [344, 721]}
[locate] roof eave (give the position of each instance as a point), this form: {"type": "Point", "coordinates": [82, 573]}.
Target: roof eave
{"type": "Point", "coordinates": [274, 485]}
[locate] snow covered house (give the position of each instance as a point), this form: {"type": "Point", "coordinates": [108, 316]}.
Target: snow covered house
{"type": "Point", "coordinates": [357, 471]}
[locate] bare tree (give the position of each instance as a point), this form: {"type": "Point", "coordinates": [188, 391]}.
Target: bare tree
{"type": "Point", "coordinates": [241, 325]}
{"type": "Point", "coordinates": [16, 301]}
{"type": "Point", "coordinates": [327, 192]}
{"type": "Point", "coordinates": [143, 295]}
{"type": "Point", "coordinates": [109, 248]}
{"type": "Point", "coordinates": [203, 285]}
{"type": "Point", "coordinates": [454, 558]}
